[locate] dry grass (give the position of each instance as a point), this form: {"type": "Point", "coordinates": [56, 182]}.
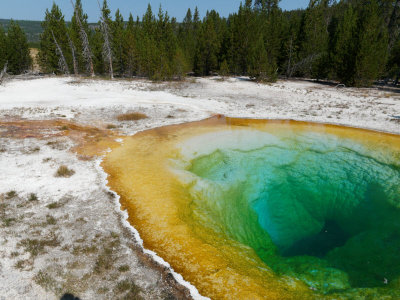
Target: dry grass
{"type": "Point", "coordinates": [36, 247]}
{"type": "Point", "coordinates": [11, 194]}
{"type": "Point", "coordinates": [123, 268]}
{"type": "Point", "coordinates": [63, 171]}
{"type": "Point", "coordinates": [45, 280]}
{"type": "Point", "coordinates": [33, 197]}
{"type": "Point", "coordinates": [55, 205]}
{"type": "Point", "coordinates": [130, 288]}
{"type": "Point", "coordinates": [134, 116]}
{"type": "Point", "coordinates": [50, 220]}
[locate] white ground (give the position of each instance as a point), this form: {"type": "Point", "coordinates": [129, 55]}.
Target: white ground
{"type": "Point", "coordinates": [87, 222]}
{"type": "Point", "coordinates": [91, 101]}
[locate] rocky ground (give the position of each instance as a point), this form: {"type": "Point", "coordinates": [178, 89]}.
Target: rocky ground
{"type": "Point", "coordinates": [61, 229]}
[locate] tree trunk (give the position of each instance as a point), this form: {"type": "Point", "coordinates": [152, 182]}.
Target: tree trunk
{"type": "Point", "coordinates": [75, 63]}
{"type": "Point", "coordinates": [107, 52]}
{"type": "Point", "coordinates": [62, 63]}
{"type": "Point", "coordinates": [3, 72]}
{"type": "Point", "coordinates": [87, 53]}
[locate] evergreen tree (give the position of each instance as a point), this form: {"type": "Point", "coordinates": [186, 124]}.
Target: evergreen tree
{"type": "Point", "coordinates": [80, 36]}
{"type": "Point", "coordinates": [243, 33]}
{"type": "Point", "coordinates": [118, 42]}
{"type": "Point", "coordinates": [346, 40]}
{"type": "Point", "coordinates": [18, 55]}
{"type": "Point", "coordinates": [315, 37]}
{"type": "Point", "coordinates": [3, 48]}
{"type": "Point", "coordinates": [97, 48]}
{"type": "Point", "coordinates": [53, 24]}
{"type": "Point", "coordinates": [372, 45]}
{"type": "Point", "coordinates": [130, 55]}
{"type": "Point", "coordinates": [289, 57]}
{"type": "Point", "coordinates": [208, 46]}
{"type": "Point", "coordinates": [259, 66]}
{"type": "Point", "coordinates": [344, 47]}
{"type": "Point", "coordinates": [224, 69]}
{"type": "Point", "coordinates": [147, 45]}
{"type": "Point", "coordinates": [272, 26]}
{"type": "Point", "coordinates": [187, 37]}
{"type": "Point", "coordinates": [106, 25]}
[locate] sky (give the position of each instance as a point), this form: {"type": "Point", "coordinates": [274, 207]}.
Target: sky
{"type": "Point", "coordinates": [35, 9]}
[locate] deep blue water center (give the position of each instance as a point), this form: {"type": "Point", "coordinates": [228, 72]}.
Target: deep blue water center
{"type": "Point", "coordinates": [316, 207]}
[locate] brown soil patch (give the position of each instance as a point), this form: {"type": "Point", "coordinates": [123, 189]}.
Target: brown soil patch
{"type": "Point", "coordinates": [90, 140]}
{"type": "Point", "coordinates": [135, 116]}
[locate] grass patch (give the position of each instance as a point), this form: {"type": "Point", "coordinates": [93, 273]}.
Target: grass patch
{"type": "Point", "coordinates": [50, 220]}
{"type": "Point", "coordinates": [33, 197]}
{"type": "Point", "coordinates": [23, 264]}
{"type": "Point", "coordinates": [130, 288]}
{"type": "Point", "coordinates": [123, 268]}
{"type": "Point", "coordinates": [44, 280]}
{"type": "Point", "coordinates": [84, 250]}
{"type": "Point", "coordinates": [33, 150]}
{"type": "Point", "coordinates": [36, 247]}
{"type": "Point", "coordinates": [123, 286]}
{"type": "Point", "coordinates": [105, 260]}
{"type": "Point", "coordinates": [135, 116]}
{"type": "Point", "coordinates": [103, 290]}
{"type": "Point", "coordinates": [11, 194]}
{"type": "Point", "coordinates": [7, 222]}
{"type": "Point", "coordinates": [14, 254]}
{"type": "Point", "coordinates": [64, 171]}
{"type": "Point", "coordinates": [54, 205]}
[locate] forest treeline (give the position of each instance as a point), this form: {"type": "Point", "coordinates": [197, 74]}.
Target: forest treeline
{"type": "Point", "coordinates": [355, 42]}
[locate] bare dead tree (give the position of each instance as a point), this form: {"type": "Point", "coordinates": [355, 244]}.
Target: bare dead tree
{"type": "Point", "coordinates": [73, 51]}
{"type": "Point", "coordinates": [3, 72]}
{"type": "Point", "coordinates": [305, 63]}
{"type": "Point", "coordinates": [290, 70]}
{"type": "Point", "coordinates": [107, 52]}
{"type": "Point", "coordinates": [62, 63]}
{"type": "Point", "coordinates": [87, 53]}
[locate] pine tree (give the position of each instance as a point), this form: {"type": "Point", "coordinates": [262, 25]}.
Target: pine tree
{"type": "Point", "coordinates": [290, 43]}
{"type": "Point", "coordinates": [105, 25]}
{"type": "Point", "coordinates": [271, 16]}
{"type": "Point", "coordinates": [187, 37]}
{"type": "Point", "coordinates": [130, 55]}
{"type": "Point", "coordinates": [3, 48]}
{"type": "Point", "coordinates": [259, 66]}
{"type": "Point", "coordinates": [48, 54]}
{"type": "Point", "coordinates": [208, 46]}
{"type": "Point", "coordinates": [18, 55]}
{"type": "Point", "coordinates": [344, 47]}
{"type": "Point", "coordinates": [80, 36]}
{"type": "Point", "coordinates": [97, 49]}
{"type": "Point", "coordinates": [118, 42]}
{"type": "Point", "coordinates": [243, 35]}
{"type": "Point", "coordinates": [224, 69]}
{"type": "Point", "coordinates": [147, 48]}
{"type": "Point", "coordinates": [315, 37]}
{"type": "Point", "coordinates": [372, 45]}
{"type": "Point", "coordinates": [394, 63]}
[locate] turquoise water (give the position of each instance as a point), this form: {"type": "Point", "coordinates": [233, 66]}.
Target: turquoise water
{"type": "Point", "coordinates": [315, 207]}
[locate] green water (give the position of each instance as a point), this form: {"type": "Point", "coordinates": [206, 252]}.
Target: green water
{"type": "Point", "coordinates": [315, 207]}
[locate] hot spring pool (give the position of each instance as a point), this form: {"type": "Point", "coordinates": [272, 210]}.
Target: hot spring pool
{"type": "Point", "coordinates": [248, 209]}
